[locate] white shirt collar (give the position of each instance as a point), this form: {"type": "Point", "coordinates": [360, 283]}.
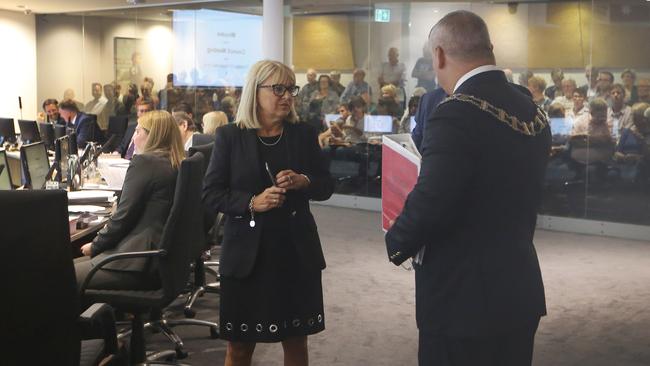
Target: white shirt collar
{"type": "Point", "coordinates": [188, 143]}
{"type": "Point", "coordinates": [476, 71]}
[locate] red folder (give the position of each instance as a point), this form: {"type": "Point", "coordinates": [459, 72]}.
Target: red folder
{"type": "Point", "coordinates": [400, 170]}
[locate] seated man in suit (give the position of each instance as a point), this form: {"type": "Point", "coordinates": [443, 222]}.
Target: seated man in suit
{"type": "Point", "coordinates": [83, 125]}
{"type": "Point", "coordinates": [50, 112]}
{"type": "Point", "coordinates": [471, 217]}
{"type": "Point", "coordinates": [127, 147]}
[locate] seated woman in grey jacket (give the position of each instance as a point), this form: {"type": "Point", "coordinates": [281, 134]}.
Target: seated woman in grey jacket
{"type": "Point", "coordinates": [142, 211]}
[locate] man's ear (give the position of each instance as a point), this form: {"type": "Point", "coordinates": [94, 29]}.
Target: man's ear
{"type": "Point", "coordinates": [439, 57]}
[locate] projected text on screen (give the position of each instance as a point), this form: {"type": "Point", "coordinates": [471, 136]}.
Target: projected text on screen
{"type": "Point", "coordinates": [214, 48]}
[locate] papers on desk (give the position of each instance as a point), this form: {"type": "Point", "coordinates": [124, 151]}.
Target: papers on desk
{"type": "Point", "coordinates": [400, 170]}
{"type": "Point", "coordinates": [89, 197]}
{"type": "Point", "coordinates": [85, 208]}
{"type": "Point", "coordinates": [113, 171]}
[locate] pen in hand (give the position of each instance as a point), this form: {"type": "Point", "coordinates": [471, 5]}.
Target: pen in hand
{"type": "Point", "coordinates": [268, 171]}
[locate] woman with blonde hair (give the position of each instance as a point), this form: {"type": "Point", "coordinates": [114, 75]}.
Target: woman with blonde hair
{"type": "Point", "coordinates": [142, 211]}
{"type": "Point", "coordinates": [213, 120]}
{"type": "Point", "coordinates": [264, 170]}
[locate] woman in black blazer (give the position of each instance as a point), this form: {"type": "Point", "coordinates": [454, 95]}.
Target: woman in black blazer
{"type": "Point", "coordinates": [143, 208]}
{"type": "Point", "coordinates": [264, 170]}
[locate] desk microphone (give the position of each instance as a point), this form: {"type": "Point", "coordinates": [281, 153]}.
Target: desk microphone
{"type": "Point", "coordinates": [20, 106]}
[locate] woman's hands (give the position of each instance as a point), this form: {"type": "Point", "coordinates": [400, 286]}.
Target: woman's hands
{"type": "Point", "coordinates": [288, 179]}
{"type": "Point", "coordinates": [271, 198]}
{"type": "Point", "coordinates": [86, 249]}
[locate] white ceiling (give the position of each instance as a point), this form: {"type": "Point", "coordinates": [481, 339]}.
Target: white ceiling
{"type": "Point", "coordinates": [74, 6]}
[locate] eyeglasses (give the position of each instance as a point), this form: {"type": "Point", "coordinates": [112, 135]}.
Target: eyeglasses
{"type": "Point", "coordinates": [280, 89]}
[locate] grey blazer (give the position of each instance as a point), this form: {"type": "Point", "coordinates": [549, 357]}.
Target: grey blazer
{"type": "Point", "coordinates": [141, 213]}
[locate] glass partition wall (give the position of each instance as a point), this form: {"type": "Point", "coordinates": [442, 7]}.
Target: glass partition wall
{"type": "Point", "coordinates": [586, 62]}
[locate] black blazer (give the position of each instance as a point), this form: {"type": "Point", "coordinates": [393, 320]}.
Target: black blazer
{"type": "Point", "coordinates": [474, 208]}
{"type": "Point", "coordinates": [128, 135]}
{"type": "Point", "coordinates": [140, 217]}
{"type": "Point", "coordinates": [232, 178]}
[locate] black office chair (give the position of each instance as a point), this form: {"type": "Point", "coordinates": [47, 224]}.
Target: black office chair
{"type": "Point", "coordinates": [183, 229]}
{"type": "Point", "coordinates": [203, 264]}
{"type": "Point", "coordinates": [202, 139]}
{"type": "Point", "coordinates": [41, 320]}
{"type": "Point", "coordinates": [116, 131]}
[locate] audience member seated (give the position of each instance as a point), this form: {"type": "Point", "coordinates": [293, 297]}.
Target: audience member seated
{"type": "Point", "coordinates": [147, 93]}
{"type": "Point", "coordinates": [388, 104]}
{"type": "Point", "coordinates": [594, 124]}
{"type": "Point", "coordinates": [186, 128]}
{"type": "Point", "coordinates": [603, 85]}
{"type": "Point", "coordinates": [566, 99]}
{"type": "Point", "coordinates": [84, 126]}
{"type": "Point", "coordinates": [353, 126]}
{"type": "Point", "coordinates": [130, 98]}
{"type": "Point", "coordinates": [96, 106]}
{"type": "Point", "coordinates": [113, 106]}
{"type": "Point", "coordinates": [524, 77]}
{"type": "Point", "coordinates": [629, 78]}
{"type": "Point", "coordinates": [589, 89]}
{"type": "Point", "coordinates": [643, 90]}
{"type": "Point", "coordinates": [68, 94]}
{"type": "Point", "coordinates": [301, 101]}
{"type": "Point", "coordinates": [579, 107]}
{"type": "Point", "coordinates": [405, 123]}
{"type": "Point", "coordinates": [213, 120]}
{"type": "Point", "coordinates": [142, 211]}
{"type": "Point", "coordinates": [335, 84]}
{"type": "Point", "coordinates": [556, 111]}
{"type": "Point", "coordinates": [423, 70]}
{"type": "Point", "coordinates": [334, 134]}
{"type": "Point", "coordinates": [127, 147]}
{"type": "Point", "coordinates": [537, 85]}
{"type": "Point", "coordinates": [357, 88]}
{"type": "Point", "coordinates": [556, 90]}
{"type": "Point", "coordinates": [50, 112]}
{"type": "Point", "coordinates": [620, 113]}
{"type": "Point", "coordinates": [321, 102]}
{"type": "Point", "coordinates": [228, 106]}
{"type": "Point", "coordinates": [633, 144]}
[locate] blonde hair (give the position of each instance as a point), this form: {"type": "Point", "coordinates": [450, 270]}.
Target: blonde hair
{"type": "Point", "coordinates": [389, 89]}
{"type": "Point", "coordinates": [266, 70]}
{"type": "Point", "coordinates": [164, 136]}
{"type": "Point", "coordinates": [213, 120]}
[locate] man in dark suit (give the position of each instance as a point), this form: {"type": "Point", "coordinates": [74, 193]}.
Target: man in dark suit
{"type": "Point", "coordinates": [471, 217]}
{"type": "Point", "coordinates": [83, 125]}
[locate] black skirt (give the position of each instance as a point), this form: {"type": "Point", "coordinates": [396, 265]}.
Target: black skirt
{"type": "Point", "coordinates": [280, 299]}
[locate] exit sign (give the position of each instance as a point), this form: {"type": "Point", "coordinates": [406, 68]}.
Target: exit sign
{"type": "Point", "coordinates": [382, 15]}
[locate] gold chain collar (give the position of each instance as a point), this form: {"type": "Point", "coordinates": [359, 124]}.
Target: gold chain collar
{"type": "Point", "coordinates": [526, 128]}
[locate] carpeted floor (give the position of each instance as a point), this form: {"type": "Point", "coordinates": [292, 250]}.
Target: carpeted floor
{"type": "Point", "coordinates": [598, 295]}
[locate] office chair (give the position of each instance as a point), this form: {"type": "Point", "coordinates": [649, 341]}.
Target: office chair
{"type": "Point", "coordinates": [184, 228]}
{"type": "Point", "coordinates": [116, 131]}
{"type": "Point", "coordinates": [213, 224]}
{"type": "Point", "coordinates": [202, 139]}
{"type": "Point", "coordinates": [41, 318]}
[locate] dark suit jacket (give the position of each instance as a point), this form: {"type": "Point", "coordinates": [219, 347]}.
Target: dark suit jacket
{"type": "Point", "coordinates": [138, 221]}
{"type": "Point", "coordinates": [87, 129]}
{"type": "Point", "coordinates": [474, 208]}
{"type": "Point", "coordinates": [232, 178]}
{"type": "Point", "coordinates": [427, 104]}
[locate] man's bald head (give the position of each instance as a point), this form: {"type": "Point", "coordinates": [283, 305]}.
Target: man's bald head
{"type": "Point", "coordinates": [463, 36]}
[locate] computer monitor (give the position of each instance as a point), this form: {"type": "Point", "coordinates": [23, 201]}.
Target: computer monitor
{"type": "Point", "coordinates": [29, 131]}
{"type": "Point", "coordinates": [378, 124]}
{"type": "Point", "coordinates": [61, 155]}
{"type": "Point", "coordinates": [74, 148]}
{"type": "Point", "coordinates": [5, 174]}
{"type": "Point", "coordinates": [60, 131]}
{"type": "Point", "coordinates": [35, 164]}
{"type": "Point", "coordinates": [7, 130]}
{"type": "Point", "coordinates": [47, 134]}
